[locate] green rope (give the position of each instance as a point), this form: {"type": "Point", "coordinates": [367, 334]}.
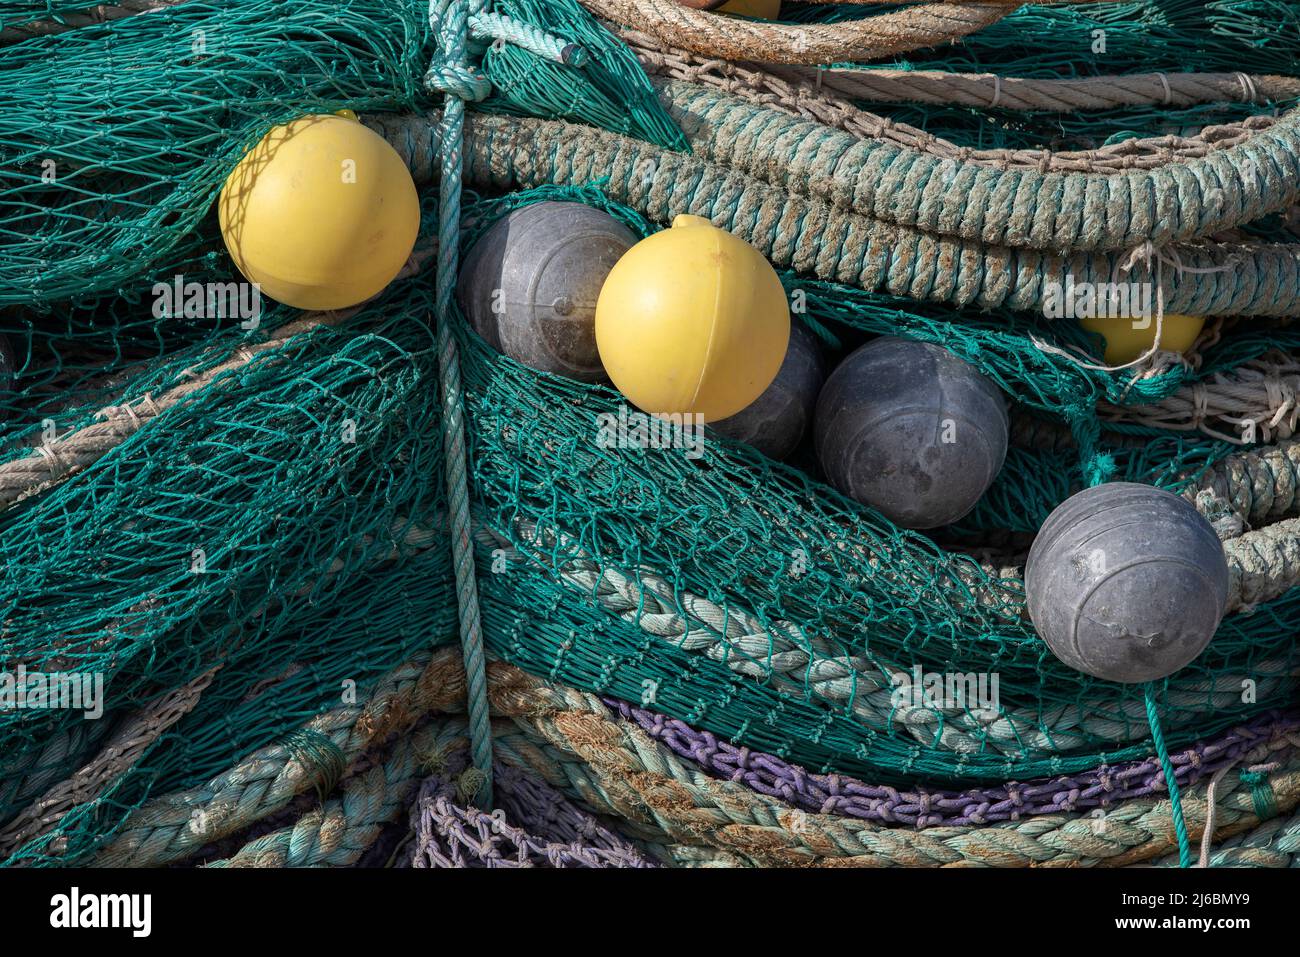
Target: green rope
{"type": "Point", "coordinates": [1175, 799]}
{"type": "Point", "coordinates": [1261, 793]}
{"type": "Point", "coordinates": [451, 73]}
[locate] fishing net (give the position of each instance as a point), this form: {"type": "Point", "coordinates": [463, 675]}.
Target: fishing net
{"type": "Point", "coordinates": [241, 524]}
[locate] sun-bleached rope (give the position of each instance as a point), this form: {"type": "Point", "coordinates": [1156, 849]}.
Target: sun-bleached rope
{"type": "Point", "coordinates": [736, 38]}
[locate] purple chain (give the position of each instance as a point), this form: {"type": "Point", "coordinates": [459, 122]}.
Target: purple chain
{"type": "Point", "coordinates": [547, 830]}
{"type": "Point", "coordinates": [848, 797]}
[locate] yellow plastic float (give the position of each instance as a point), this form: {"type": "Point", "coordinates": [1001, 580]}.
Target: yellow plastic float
{"type": "Point", "coordinates": [1125, 341]}
{"type": "Point", "coordinates": [692, 320]}
{"type": "Point", "coordinates": [322, 213]}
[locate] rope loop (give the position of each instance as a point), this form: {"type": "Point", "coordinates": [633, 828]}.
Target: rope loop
{"type": "Point", "coordinates": [458, 80]}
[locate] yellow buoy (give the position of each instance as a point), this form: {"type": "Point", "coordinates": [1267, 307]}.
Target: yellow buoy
{"type": "Point", "coordinates": [322, 213]}
{"type": "Point", "coordinates": [1127, 338]}
{"type": "Point", "coordinates": [762, 9]}
{"type": "Point", "coordinates": [692, 319]}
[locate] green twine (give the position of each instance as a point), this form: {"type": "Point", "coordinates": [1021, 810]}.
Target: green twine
{"type": "Point", "coordinates": [1261, 793]}
{"type": "Point", "coordinates": [1175, 799]}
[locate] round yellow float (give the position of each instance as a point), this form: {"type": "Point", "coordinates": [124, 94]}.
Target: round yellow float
{"type": "Point", "coordinates": [1125, 341]}
{"type": "Point", "coordinates": [692, 320]}
{"type": "Point", "coordinates": [322, 213]}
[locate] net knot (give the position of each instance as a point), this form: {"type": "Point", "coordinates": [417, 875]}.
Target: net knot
{"type": "Point", "coordinates": [449, 71]}
{"type": "Point", "coordinates": [456, 79]}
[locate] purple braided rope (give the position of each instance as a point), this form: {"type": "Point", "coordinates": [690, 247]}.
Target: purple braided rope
{"type": "Point", "coordinates": [547, 830]}
{"type": "Point", "coordinates": [847, 797]}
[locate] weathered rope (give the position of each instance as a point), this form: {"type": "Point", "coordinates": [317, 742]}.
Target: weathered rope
{"type": "Point", "coordinates": [340, 831]}
{"type": "Point", "coordinates": [1272, 843]}
{"type": "Point", "coordinates": [617, 769]}
{"type": "Point", "coordinates": [572, 741]}
{"type": "Point", "coordinates": [1258, 400]}
{"type": "Point", "coordinates": [68, 453]}
{"type": "Point", "coordinates": [738, 39]}
{"type": "Point", "coordinates": [839, 245]}
{"type": "Point", "coordinates": [845, 796]}
{"type": "Point", "coordinates": [817, 95]}
{"type": "Point", "coordinates": [173, 826]}
{"type": "Point", "coordinates": [778, 654]}
{"type": "Point", "coordinates": [1067, 95]}
{"type": "Point", "coordinates": [1019, 208]}
{"type": "Point", "coordinates": [452, 74]}
{"type": "Point", "coordinates": [1255, 487]}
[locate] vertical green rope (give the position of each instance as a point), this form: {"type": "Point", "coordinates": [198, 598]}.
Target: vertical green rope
{"type": "Point", "coordinates": [451, 74]}
{"type": "Point", "coordinates": [1175, 799]}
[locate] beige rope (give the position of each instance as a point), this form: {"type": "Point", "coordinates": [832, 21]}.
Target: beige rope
{"type": "Point", "coordinates": [1258, 401]}
{"type": "Point", "coordinates": [809, 93]}
{"type": "Point", "coordinates": [739, 39]}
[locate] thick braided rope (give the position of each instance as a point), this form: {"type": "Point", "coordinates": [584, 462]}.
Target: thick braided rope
{"type": "Point", "coordinates": [1255, 487]}
{"type": "Point", "coordinates": [777, 654]}
{"type": "Point", "coordinates": [838, 245]}
{"type": "Point", "coordinates": [130, 742]}
{"type": "Point", "coordinates": [819, 96]}
{"type": "Point", "coordinates": [737, 39]}
{"type": "Point", "coordinates": [452, 75]}
{"type": "Point", "coordinates": [1273, 843]}
{"type": "Point", "coordinates": [571, 740]}
{"type": "Point", "coordinates": [848, 797]}
{"type": "Point", "coordinates": [173, 826]}
{"type": "Point", "coordinates": [1018, 208]}
{"type": "Point", "coordinates": [341, 830]}
{"type": "Point", "coordinates": [618, 769]}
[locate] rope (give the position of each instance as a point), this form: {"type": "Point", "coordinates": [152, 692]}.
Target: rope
{"type": "Point", "coordinates": [340, 831]}
{"type": "Point", "coordinates": [73, 451]}
{"type": "Point", "coordinates": [127, 745]}
{"type": "Point", "coordinates": [780, 655]}
{"type": "Point", "coordinates": [839, 245]}
{"type": "Point", "coordinates": [1067, 95]}
{"type": "Point", "coordinates": [920, 807]}
{"type": "Point", "coordinates": [572, 741]}
{"type": "Point", "coordinates": [1171, 781]}
{"type": "Point", "coordinates": [1257, 401]}
{"type": "Point", "coordinates": [451, 74]}
{"type": "Point", "coordinates": [809, 93]}
{"type": "Point", "coordinates": [173, 826]}
{"type": "Point", "coordinates": [739, 39]}
{"type": "Point", "coordinates": [1017, 208]}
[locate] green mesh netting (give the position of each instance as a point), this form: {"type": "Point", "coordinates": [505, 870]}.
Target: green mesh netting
{"type": "Point", "coordinates": [306, 479]}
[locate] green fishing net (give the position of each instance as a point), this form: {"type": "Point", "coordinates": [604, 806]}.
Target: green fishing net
{"type": "Point", "coordinates": [269, 523]}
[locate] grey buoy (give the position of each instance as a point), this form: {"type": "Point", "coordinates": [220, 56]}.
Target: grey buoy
{"type": "Point", "coordinates": [530, 283]}
{"type": "Point", "coordinates": [775, 422]}
{"type": "Point", "coordinates": [911, 430]}
{"type": "Point", "coordinates": [1126, 582]}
